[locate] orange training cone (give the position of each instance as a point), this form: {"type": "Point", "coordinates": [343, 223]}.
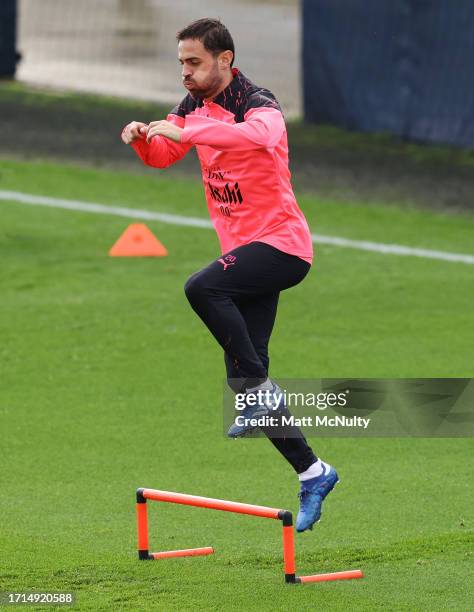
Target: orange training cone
{"type": "Point", "coordinates": [138, 241]}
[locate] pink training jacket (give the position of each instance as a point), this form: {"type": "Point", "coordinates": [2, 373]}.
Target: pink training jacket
{"type": "Point", "coordinates": [241, 142]}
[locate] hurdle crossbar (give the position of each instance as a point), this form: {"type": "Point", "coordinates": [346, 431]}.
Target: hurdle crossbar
{"type": "Point", "coordinates": [285, 516]}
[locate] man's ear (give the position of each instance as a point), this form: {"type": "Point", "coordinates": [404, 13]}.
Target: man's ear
{"type": "Point", "coordinates": [225, 59]}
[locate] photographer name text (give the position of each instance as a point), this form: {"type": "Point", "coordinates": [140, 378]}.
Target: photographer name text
{"type": "Point", "coordinates": [306, 421]}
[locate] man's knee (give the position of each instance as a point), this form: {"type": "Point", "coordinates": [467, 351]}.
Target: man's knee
{"type": "Point", "coordinates": [196, 287]}
{"type": "Point", "coordinates": [192, 288]}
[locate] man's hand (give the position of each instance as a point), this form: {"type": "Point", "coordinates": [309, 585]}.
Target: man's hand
{"type": "Point", "coordinates": [132, 131]}
{"type": "Point", "coordinates": [163, 128]}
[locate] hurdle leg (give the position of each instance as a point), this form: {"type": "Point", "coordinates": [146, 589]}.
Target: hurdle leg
{"type": "Point", "coordinates": [143, 546]}
{"type": "Point", "coordinates": [142, 524]}
{"type": "Point", "coordinates": [349, 575]}
{"type": "Point", "coordinates": [288, 546]}
{"type": "Point", "coordinates": [187, 552]}
{"type": "Point", "coordinates": [289, 558]}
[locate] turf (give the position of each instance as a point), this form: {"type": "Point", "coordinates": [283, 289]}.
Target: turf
{"type": "Point", "coordinates": [109, 382]}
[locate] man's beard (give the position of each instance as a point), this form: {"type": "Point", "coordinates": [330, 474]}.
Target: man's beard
{"type": "Point", "coordinates": [207, 90]}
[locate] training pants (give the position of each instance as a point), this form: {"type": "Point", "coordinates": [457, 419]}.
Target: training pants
{"type": "Point", "coordinates": [236, 296]}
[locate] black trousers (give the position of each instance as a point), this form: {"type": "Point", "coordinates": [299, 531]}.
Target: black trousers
{"type": "Point", "coordinates": [236, 296]}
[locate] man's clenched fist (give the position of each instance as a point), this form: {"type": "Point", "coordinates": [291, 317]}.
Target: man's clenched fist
{"type": "Point", "coordinates": [133, 130]}
{"type": "Point", "coordinates": [136, 129]}
{"type": "Point", "coordinates": [164, 128]}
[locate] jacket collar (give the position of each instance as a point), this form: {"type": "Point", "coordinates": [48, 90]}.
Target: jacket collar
{"type": "Point", "coordinates": [229, 96]}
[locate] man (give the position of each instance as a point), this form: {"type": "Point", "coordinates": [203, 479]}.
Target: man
{"type": "Point", "coordinates": [240, 136]}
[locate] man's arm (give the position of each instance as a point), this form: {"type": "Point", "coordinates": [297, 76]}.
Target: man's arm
{"type": "Point", "coordinates": [262, 128]}
{"type": "Point", "coordinates": [156, 151]}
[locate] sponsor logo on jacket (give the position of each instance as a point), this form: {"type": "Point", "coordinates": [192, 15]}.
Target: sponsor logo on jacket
{"type": "Point", "coordinates": [226, 195]}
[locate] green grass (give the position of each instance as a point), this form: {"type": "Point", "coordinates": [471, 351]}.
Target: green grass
{"type": "Point", "coordinates": [13, 91]}
{"type": "Point", "coordinates": [110, 381]}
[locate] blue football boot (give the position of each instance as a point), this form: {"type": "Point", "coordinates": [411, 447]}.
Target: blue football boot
{"type": "Point", "coordinates": [268, 406]}
{"type": "Point", "coordinates": [312, 494]}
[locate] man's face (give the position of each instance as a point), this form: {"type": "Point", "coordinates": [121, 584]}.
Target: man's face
{"type": "Point", "coordinates": [201, 74]}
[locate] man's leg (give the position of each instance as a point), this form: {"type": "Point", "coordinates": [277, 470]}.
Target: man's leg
{"type": "Point", "coordinates": [247, 272]}
{"type": "Point", "coordinates": [259, 316]}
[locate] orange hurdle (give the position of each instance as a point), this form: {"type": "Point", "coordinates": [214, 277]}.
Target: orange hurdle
{"type": "Point", "coordinates": [227, 506]}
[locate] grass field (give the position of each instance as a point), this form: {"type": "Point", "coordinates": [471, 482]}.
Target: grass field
{"type": "Point", "coordinates": [110, 382]}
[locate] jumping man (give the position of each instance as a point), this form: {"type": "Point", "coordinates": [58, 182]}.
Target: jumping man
{"type": "Point", "coordinates": [240, 136]}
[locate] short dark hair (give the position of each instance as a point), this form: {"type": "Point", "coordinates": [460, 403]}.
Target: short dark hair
{"type": "Point", "coordinates": [212, 33]}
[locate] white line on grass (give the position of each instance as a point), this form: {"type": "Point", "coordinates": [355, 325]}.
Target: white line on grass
{"type": "Point", "coordinates": [148, 215]}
